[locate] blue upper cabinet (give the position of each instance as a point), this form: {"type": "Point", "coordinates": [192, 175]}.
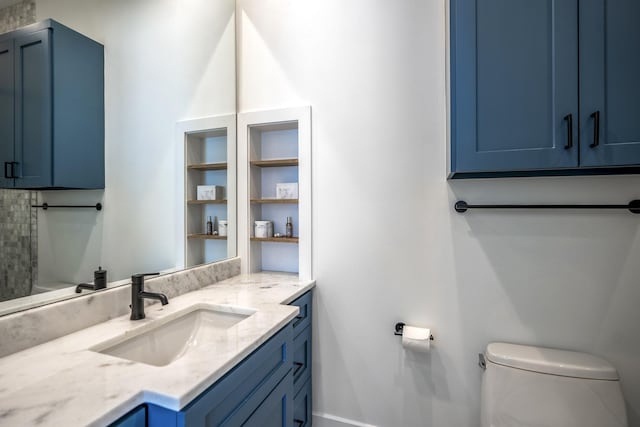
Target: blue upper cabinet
{"type": "Point", "coordinates": [33, 127]}
{"type": "Point", "coordinates": [526, 78]}
{"type": "Point", "coordinates": [51, 108]}
{"type": "Point", "coordinates": [514, 81]}
{"type": "Point", "coordinates": [609, 82]}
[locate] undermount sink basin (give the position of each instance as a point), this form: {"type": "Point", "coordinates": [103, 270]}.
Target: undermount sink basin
{"type": "Point", "coordinates": [170, 340]}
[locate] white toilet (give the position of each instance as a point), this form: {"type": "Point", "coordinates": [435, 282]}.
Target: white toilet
{"type": "Point", "coordinates": [525, 386]}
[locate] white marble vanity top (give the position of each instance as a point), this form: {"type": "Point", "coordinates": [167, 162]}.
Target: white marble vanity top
{"type": "Point", "coordinates": [62, 382]}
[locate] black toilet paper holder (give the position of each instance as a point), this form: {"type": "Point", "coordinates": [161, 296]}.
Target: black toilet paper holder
{"type": "Point", "coordinates": [400, 327]}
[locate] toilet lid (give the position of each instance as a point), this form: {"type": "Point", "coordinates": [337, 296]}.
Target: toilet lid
{"type": "Point", "coordinates": [551, 361]}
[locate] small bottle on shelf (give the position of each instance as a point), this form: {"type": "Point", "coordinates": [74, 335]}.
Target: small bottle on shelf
{"type": "Point", "coordinates": [209, 226]}
{"type": "Point", "coordinates": [289, 227]}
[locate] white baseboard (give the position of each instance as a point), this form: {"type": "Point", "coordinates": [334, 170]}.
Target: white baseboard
{"type": "Point", "coordinates": [327, 420]}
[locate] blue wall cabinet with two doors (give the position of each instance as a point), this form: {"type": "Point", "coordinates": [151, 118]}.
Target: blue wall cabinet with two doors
{"type": "Point", "coordinates": [543, 87]}
{"type": "Point", "coordinates": [270, 388]}
{"type": "Point", "coordinates": [51, 108]}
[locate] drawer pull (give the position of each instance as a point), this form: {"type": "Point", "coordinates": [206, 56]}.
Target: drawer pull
{"type": "Point", "coordinates": [13, 170]}
{"type": "Point", "coordinates": [596, 129]}
{"type": "Point", "coordinates": [569, 119]}
{"type": "Point", "coordinates": [298, 368]}
{"type": "Point", "coordinates": [299, 423]}
{"type": "Point", "coordinates": [299, 318]}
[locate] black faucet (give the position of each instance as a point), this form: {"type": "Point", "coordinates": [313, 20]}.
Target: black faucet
{"type": "Point", "coordinates": [99, 281]}
{"type": "Point", "coordinates": [138, 295]}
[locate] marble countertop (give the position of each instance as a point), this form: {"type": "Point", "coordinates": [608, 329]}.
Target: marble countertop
{"type": "Point", "coordinates": [62, 382]}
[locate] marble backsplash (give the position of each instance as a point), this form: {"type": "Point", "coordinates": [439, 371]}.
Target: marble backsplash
{"type": "Point", "coordinates": [39, 325]}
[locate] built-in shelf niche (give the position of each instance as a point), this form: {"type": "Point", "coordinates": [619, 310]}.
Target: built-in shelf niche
{"type": "Point", "coordinates": [275, 147]}
{"type": "Point", "coordinates": [208, 158]}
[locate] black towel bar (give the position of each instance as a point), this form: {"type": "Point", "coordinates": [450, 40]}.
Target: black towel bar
{"type": "Point", "coordinates": [634, 206]}
{"type": "Point", "coordinates": [45, 206]}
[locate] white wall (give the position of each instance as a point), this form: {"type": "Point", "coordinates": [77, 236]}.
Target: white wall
{"type": "Point", "coordinates": [165, 61]}
{"type": "Point", "coordinates": [388, 245]}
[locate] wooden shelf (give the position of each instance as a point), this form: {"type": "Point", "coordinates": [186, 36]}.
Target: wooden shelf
{"type": "Point", "coordinates": [275, 239]}
{"type": "Point", "coordinates": [208, 166]}
{"type": "Point", "coordinates": [207, 202]}
{"type": "Point", "coordinates": [275, 201]}
{"type": "Point", "coordinates": [274, 163]}
{"type": "Point", "coordinates": [206, 237]}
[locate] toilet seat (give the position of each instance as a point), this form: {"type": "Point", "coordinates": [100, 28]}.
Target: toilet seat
{"type": "Point", "coordinates": [551, 361]}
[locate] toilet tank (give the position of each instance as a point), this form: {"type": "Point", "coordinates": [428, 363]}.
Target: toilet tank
{"type": "Point", "coordinates": [525, 386]}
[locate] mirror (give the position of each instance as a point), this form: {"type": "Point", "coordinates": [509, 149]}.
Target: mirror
{"type": "Point", "coordinates": [165, 62]}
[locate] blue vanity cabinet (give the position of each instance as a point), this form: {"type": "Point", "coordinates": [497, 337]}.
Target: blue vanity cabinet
{"type": "Point", "coordinates": [544, 88]}
{"type": "Point", "coordinates": [52, 108]}
{"type": "Point", "coordinates": [514, 85]}
{"type": "Point", "coordinates": [258, 388]}
{"type": "Point", "coordinates": [270, 388]}
{"type": "Point", "coordinates": [302, 361]}
{"type": "Point", "coordinates": [609, 83]}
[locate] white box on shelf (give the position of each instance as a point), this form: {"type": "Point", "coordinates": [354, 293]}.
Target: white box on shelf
{"type": "Point", "coordinates": [263, 229]}
{"type": "Point", "coordinates": [287, 190]}
{"type": "Point", "coordinates": [223, 225]}
{"type": "Point", "coordinates": [210, 192]}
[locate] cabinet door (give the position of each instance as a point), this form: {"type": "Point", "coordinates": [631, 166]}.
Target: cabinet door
{"type": "Point", "coordinates": [277, 409]}
{"type": "Point", "coordinates": [6, 111]}
{"type": "Point", "coordinates": [514, 79]}
{"type": "Point", "coordinates": [33, 110]}
{"type": "Point", "coordinates": [302, 406]}
{"type": "Point", "coordinates": [609, 82]}
{"type": "Point", "coordinates": [301, 358]}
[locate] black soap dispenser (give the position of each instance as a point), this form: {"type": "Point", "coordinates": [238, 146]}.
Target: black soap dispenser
{"type": "Point", "coordinates": [100, 278]}
{"type": "Point", "coordinates": [210, 227]}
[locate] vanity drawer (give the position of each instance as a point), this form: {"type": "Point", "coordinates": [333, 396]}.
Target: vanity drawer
{"type": "Point", "coordinates": [275, 411]}
{"type": "Point", "coordinates": [136, 418]}
{"type": "Point", "coordinates": [301, 358]}
{"type": "Point", "coordinates": [302, 406]}
{"type": "Point", "coordinates": [303, 319]}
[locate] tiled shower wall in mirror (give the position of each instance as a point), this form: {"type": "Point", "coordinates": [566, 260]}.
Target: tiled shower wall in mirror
{"type": "Point", "coordinates": [18, 221]}
{"type": "Point", "coordinates": [17, 15]}
{"type": "Point", "coordinates": [18, 243]}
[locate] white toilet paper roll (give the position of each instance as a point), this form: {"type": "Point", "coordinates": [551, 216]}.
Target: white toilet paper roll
{"type": "Point", "coordinates": [416, 339]}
